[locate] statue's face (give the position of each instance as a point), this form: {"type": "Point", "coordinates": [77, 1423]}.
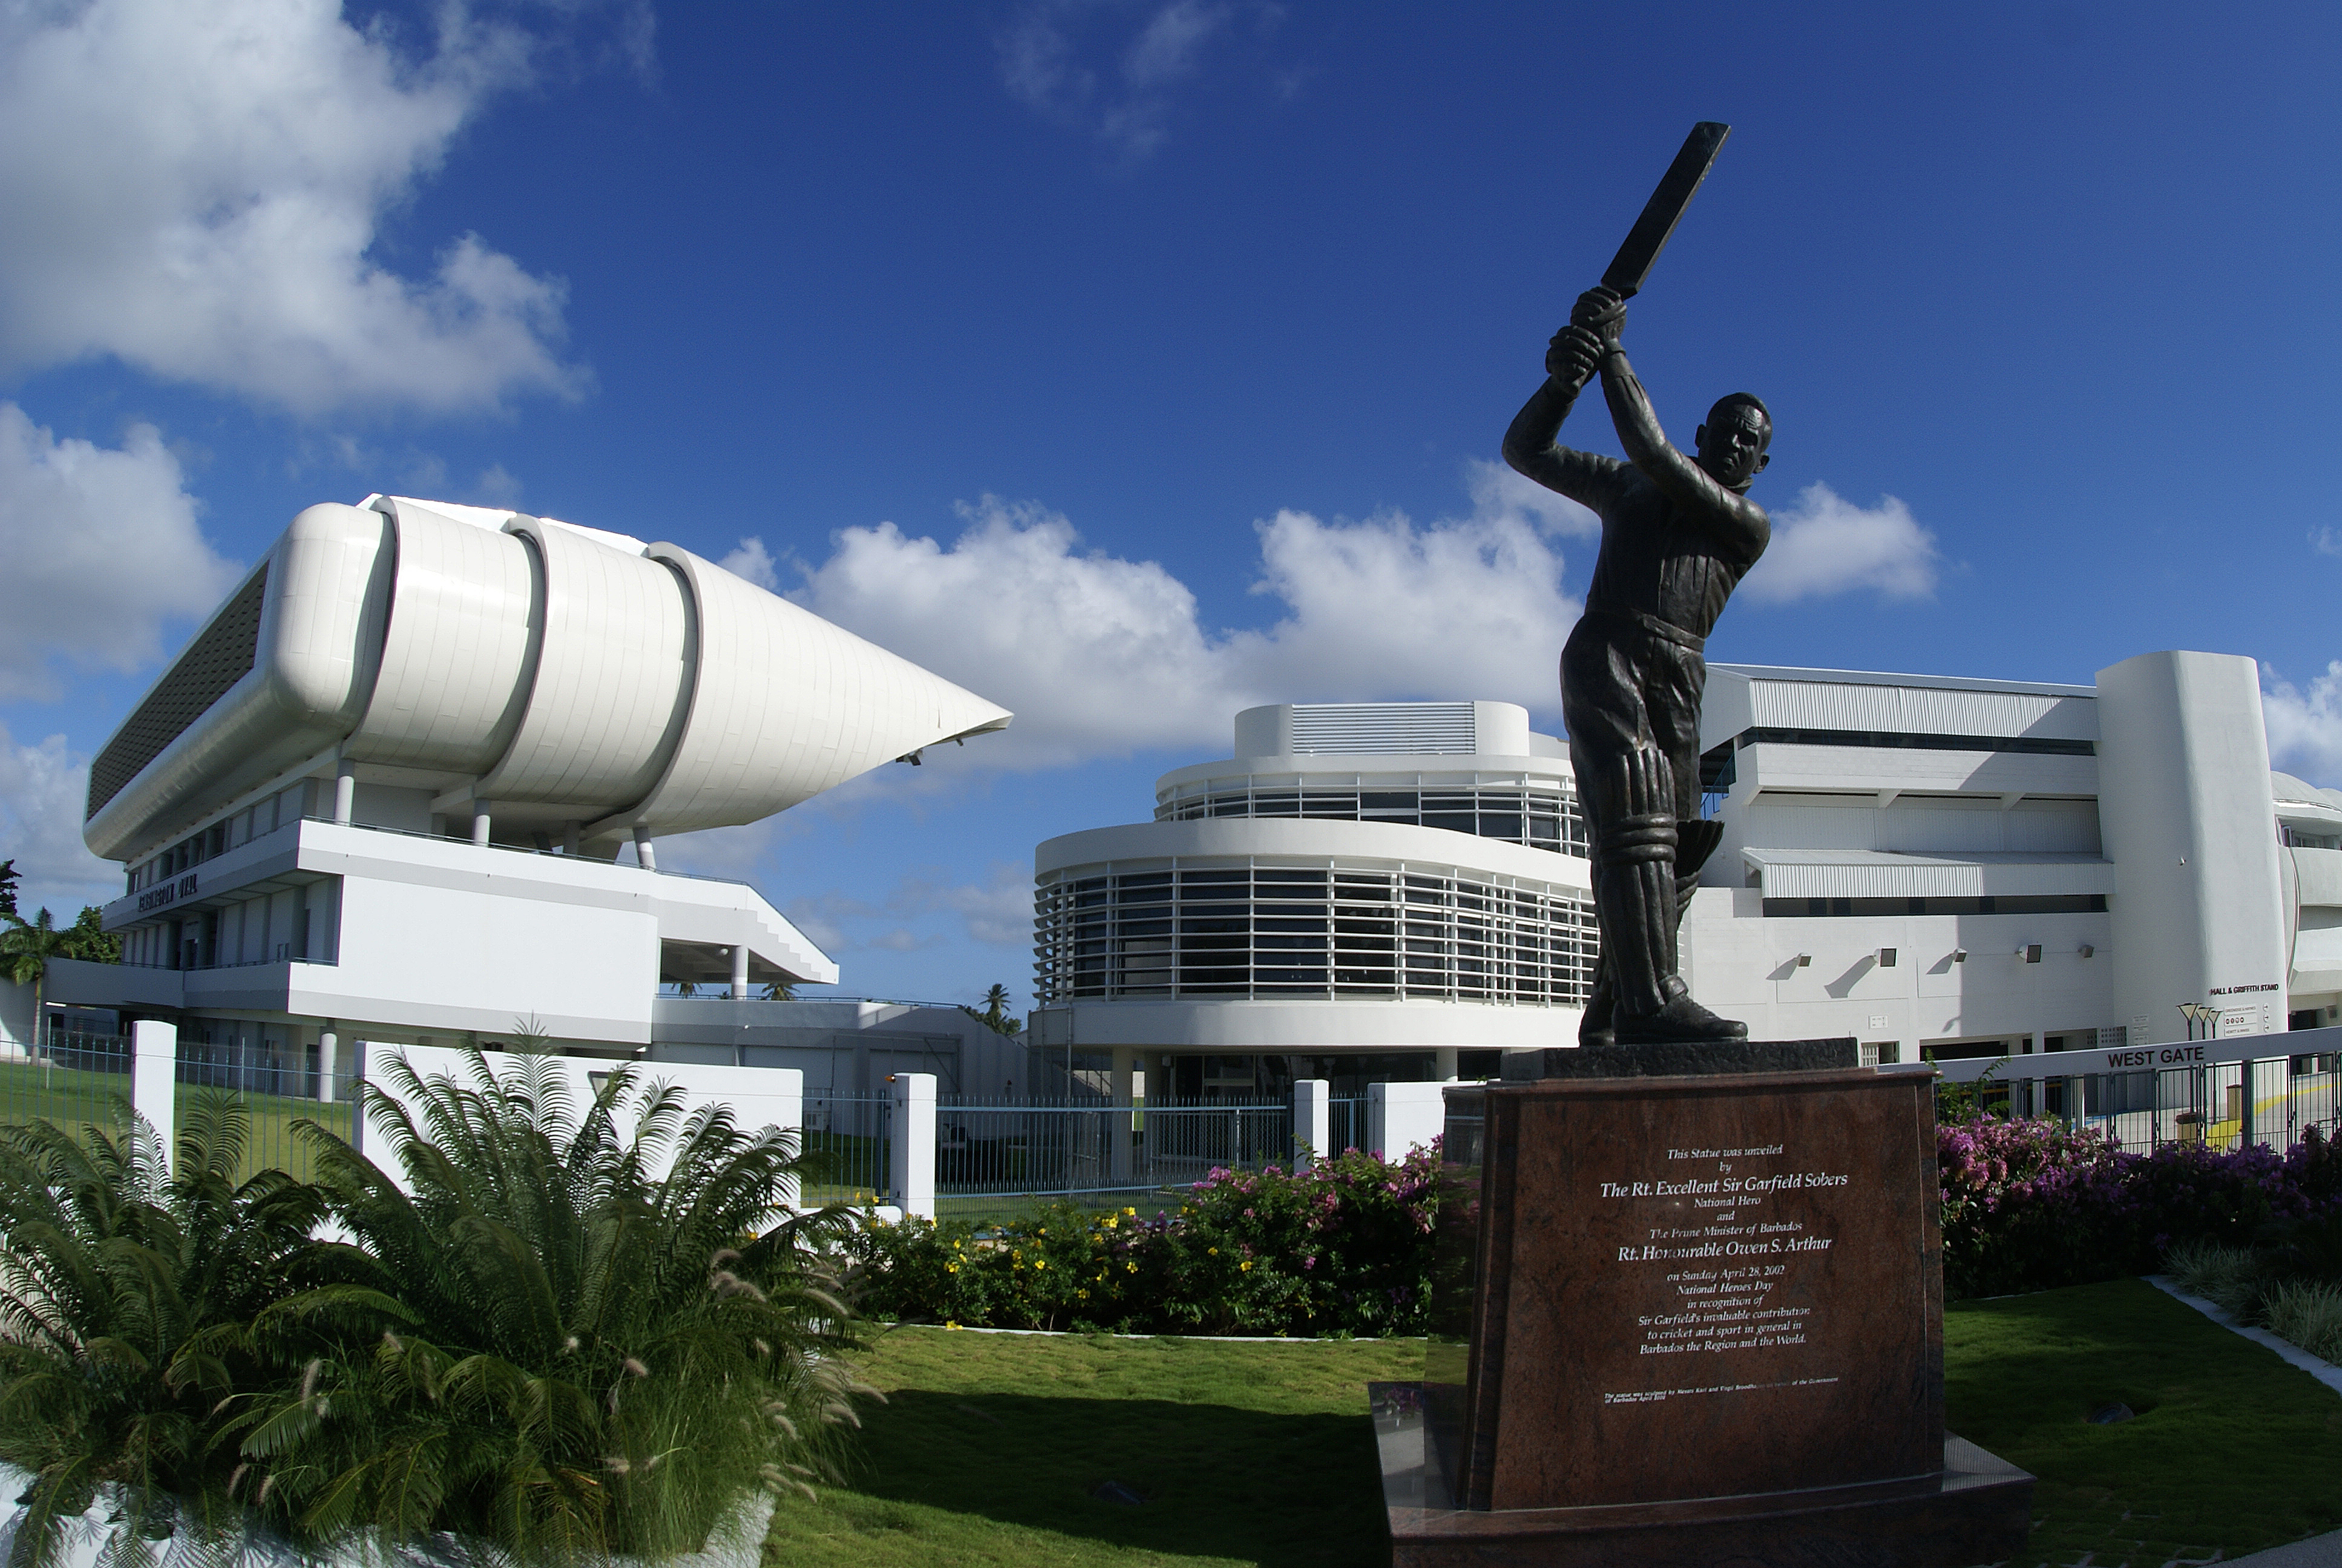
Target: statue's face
{"type": "Point", "coordinates": [1731, 445]}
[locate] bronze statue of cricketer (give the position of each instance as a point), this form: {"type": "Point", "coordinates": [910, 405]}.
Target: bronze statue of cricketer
{"type": "Point", "coordinates": [1677, 535]}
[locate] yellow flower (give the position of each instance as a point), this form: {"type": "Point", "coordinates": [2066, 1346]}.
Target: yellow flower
{"type": "Point", "coordinates": [1130, 1268]}
{"type": "Point", "coordinates": [951, 1325]}
{"type": "Point", "coordinates": [1245, 1267]}
{"type": "Point", "coordinates": [1132, 1213]}
{"type": "Point", "coordinates": [1040, 1263]}
{"type": "Point", "coordinates": [1212, 1252]}
{"type": "Point", "coordinates": [951, 1268]}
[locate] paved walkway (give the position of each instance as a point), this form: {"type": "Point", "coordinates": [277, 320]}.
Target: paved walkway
{"type": "Point", "coordinates": [2317, 1552]}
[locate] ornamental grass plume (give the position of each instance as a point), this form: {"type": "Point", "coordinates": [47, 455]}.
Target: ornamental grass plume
{"type": "Point", "coordinates": [592, 1356]}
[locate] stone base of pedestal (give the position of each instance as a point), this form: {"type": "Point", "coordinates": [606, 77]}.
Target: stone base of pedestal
{"type": "Point", "coordinates": [1975, 1510]}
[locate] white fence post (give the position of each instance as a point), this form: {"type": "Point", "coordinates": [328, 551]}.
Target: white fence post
{"type": "Point", "coordinates": [154, 1079]}
{"type": "Point", "coordinates": [914, 1161]}
{"type": "Point", "coordinates": [1403, 1117]}
{"type": "Point", "coordinates": [787, 1111]}
{"type": "Point", "coordinates": [1313, 1123]}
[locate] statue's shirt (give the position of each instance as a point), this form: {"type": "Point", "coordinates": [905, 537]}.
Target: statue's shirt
{"type": "Point", "coordinates": [1675, 543]}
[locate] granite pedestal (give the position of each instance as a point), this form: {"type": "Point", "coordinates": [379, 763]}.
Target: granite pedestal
{"type": "Point", "coordinates": [1691, 1316]}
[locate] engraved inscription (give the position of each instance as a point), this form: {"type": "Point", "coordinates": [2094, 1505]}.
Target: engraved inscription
{"type": "Point", "coordinates": [1751, 1223]}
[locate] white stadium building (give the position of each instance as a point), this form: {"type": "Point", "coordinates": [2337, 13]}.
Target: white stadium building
{"type": "Point", "coordinates": [1396, 891]}
{"type": "Point", "coordinates": [382, 794]}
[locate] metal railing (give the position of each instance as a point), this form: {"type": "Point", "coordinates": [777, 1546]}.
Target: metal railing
{"type": "Point", "coordinates": [2221, 1105]}
{"type": "Point", "coordinates": [1080, 1147]}
{"type": "Point", "coordinates": [1345, 1124]}
{"type": "Point", "coordinates": [2266, 1089]}
{"type": "Point", "coordinates": [1083, 1148]}
{"type": "Point", "coordinates": [278, 1086]}
{"type": "Point", "coordinates": [848, 1140]}
{"type": "Point", "coordinates": [71, 1078]}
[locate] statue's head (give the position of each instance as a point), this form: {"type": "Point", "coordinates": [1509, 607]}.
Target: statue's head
{"type": "Point", "coordinates": [1732, 443]}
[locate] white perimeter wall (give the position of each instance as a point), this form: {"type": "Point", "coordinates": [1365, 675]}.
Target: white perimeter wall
{"type": "Point", "coordinates": [759, 1097]}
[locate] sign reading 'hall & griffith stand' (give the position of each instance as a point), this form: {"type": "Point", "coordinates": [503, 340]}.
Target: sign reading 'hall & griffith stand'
{"type": "Point", "coordinates": [1697, 1287]}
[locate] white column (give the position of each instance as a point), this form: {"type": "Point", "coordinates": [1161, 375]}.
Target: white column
{"type": "Point", "coordinates": [1443, 1062]}
{"type": "Point", "coordinates": [1313, 1122]}
{"type": "Point", "coordinates": [569, 838]}
{"type": "Point", "coordinates": [345, 791]}
{"type": "Point", "coordinates": [786, 1089]}
{"type": "Point", "coordinates": [480, 823]}
{"type": "Point", "coordinates": [154, 1079]}
{"type": "Point", "coordinates": [645, 849]}
{"type": "Point", "coordinates": [1403, 1117]}
{"type": "Point", "coordinates": [329, 1049]}
{"type": "Point", "coordinates": [913, 1136]}
{"type": "Point", "coordinates": [1118, 1136]}
{"type": "Point", "coordinates": [739, 971]}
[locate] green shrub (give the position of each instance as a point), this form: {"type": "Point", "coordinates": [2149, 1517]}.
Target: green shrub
{"type": "Point", "coordinates": [144, 1312]}
{"type": "Point", "coordinates": [587, 1359]}
{"type": "Point", "coordinates": [1343, 1248]}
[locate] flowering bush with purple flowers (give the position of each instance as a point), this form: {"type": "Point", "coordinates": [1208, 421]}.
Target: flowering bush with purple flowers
{"type": "Point", "coordinates": [2032, 1204]}
{"type": "Point", "coordinates": [1342, 1248]}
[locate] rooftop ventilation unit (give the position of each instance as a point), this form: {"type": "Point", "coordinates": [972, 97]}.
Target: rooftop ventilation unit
{"type": "Point", "coordinates": [1395, 729]}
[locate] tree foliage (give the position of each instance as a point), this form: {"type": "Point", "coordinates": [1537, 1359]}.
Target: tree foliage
{"type": "Point", "coordinates": [994, 1014]}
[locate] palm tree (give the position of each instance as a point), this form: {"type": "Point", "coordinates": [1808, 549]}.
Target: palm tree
{"type": "Point", "coordinates": [142, 1310]}
{"type": "Point", "coordinates": [25, 948]}
{"type": "Point", "coordinates": [995, 1015]}
{"type": "Point", "coordinates": [601, 1359]}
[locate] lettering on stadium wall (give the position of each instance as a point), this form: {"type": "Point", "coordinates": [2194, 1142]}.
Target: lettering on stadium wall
{"type": "Point", "coordinates": [167, 893]}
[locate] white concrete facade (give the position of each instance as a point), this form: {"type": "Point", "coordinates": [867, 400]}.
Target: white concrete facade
{"type": "Point", "coordinates": [381, 795]}
{"type": "Point", "coordinates": [1920, 862]}
{"type": "Point", "coordinates": [1357, 883]}
{"type": "Point", "coordinates": [1980, 866]}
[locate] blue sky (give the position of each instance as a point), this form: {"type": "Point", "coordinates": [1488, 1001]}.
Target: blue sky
{"type": "Point", "coordinates": [1132, 362]}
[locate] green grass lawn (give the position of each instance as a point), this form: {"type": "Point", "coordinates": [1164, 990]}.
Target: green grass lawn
{"type": "Point", "coordinates": [72, 1098]}
{"type": "Point", "coordinates": [2231, 1449]}
{"type": "Point", "coordinates": [992, 1445]}
{"type": "Point", "coordinates": [63, 1094]}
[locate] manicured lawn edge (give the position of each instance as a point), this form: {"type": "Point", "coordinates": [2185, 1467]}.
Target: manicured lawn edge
{"type": "Point", "coordinates": [2324, 1371]}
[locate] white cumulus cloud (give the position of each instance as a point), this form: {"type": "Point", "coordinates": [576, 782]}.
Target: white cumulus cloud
{"type": "Point", "coordinates": [43, 790]}
{"type": "Point", "coordinates": [1098, 655]}
{"type": "Point", "coordinates": [1080, 64]}
{"type": "Point", "coordinates": [197, 191]}
{"type": "Point", "coordinates": [2304, 725]}
{"type": "Point", "coordinates": [752, 561]}
{"type": "Point", "coordinates": [998, 910]}
{"type": "Point", "coordinates": [100, 549]}
{"type": "Point", "coordinates": [1825, 545]}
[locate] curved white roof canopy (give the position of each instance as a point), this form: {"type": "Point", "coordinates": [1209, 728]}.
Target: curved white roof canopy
{"type": "Point", "coordinates": [562, 675]}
